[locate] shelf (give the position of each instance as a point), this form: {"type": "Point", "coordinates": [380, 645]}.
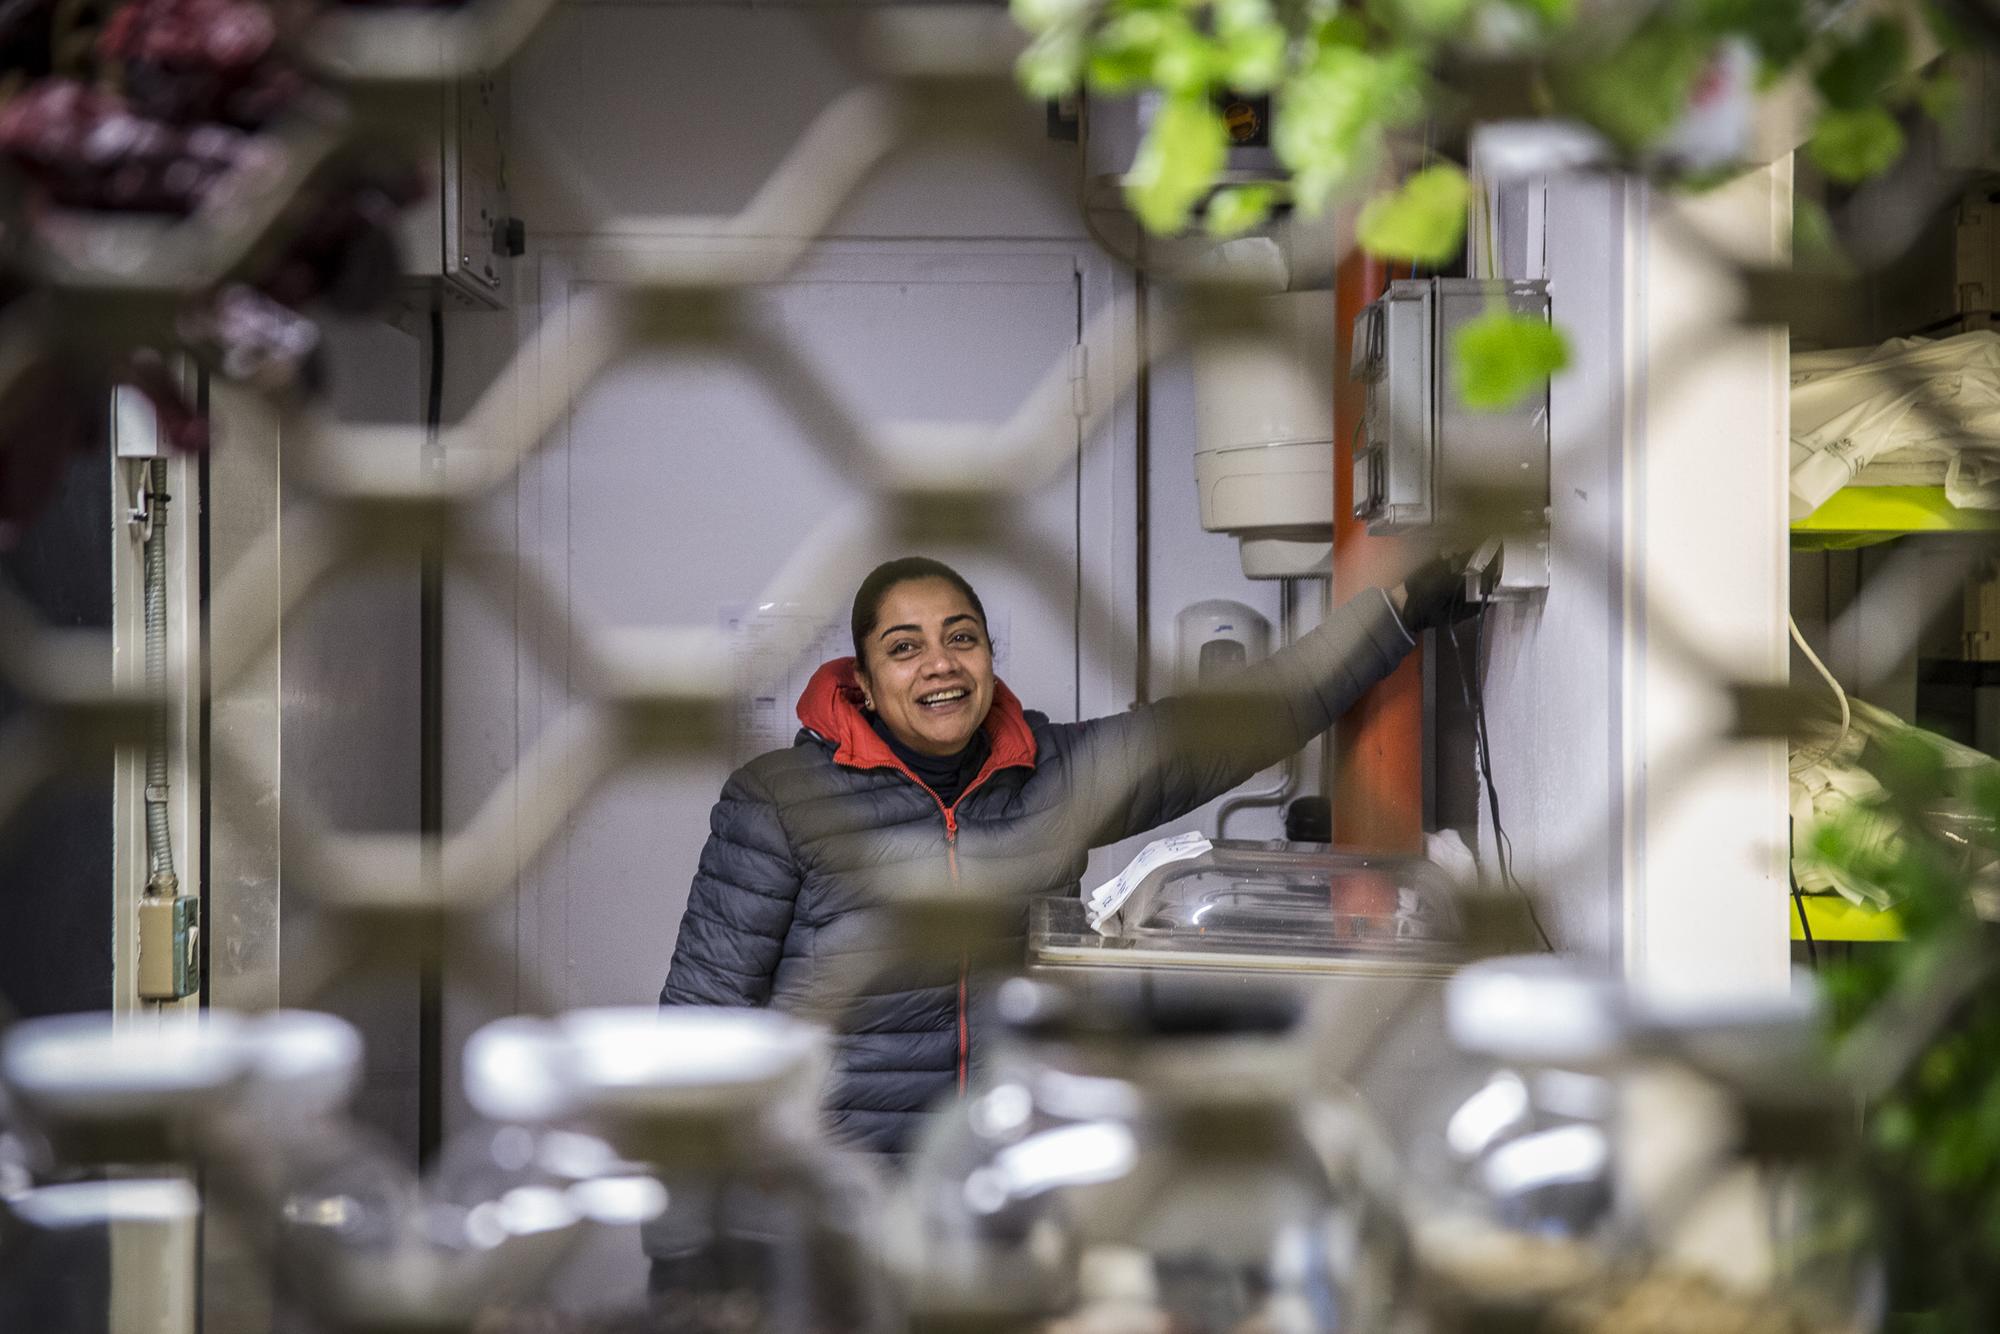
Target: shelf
{"type": "Point", "coordinates": [1834, 918]}
{"type": "Point", "coordinates": [1858, 516]}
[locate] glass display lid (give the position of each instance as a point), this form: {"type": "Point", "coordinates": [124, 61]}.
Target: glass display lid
{"type": "Point", "coordinates": [1256, 904]}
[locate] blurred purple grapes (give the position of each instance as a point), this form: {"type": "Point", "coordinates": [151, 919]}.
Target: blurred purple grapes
{"type": "Point", "coordinates": [203, 89]}
{"type": "Point", "coordinates": [202, 61]}
{"type": "Point", "coordinates": [89, 150]}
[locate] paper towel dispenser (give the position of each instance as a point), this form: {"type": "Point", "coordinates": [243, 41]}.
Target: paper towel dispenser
{"type": "Point", "coordinates": [1264, 436]}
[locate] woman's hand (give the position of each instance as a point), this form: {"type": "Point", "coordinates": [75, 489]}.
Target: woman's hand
{"type": "Point", "coordinates": [1433, 595]}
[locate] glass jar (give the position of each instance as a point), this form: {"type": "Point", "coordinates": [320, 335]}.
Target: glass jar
{"type": "Point", "coordinates": [1589, 1163]}
{"type": "Point", "coordinates": [690, 1138]}
{"type": "Point", "coordinates": [118, 1114]}
{"type": "Point", "coordinates": [984, 1233]}
{"type": "Point", "coordinates": [1767, 1201]}
{"type": "Point", "coordinates": [1158, 1162]}
{"type": "Point", "coordinates": [1511, 1151]}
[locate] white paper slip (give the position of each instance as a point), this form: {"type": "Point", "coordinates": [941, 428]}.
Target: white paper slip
{"type": "Point", "coordinates": [1101, 905]}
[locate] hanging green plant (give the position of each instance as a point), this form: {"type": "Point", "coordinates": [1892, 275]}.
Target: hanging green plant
{"type": "Point", "coordinates": [1503, 357]}
{"type": "Point", "coordinates": [1919, 1022]}
{"type": "Point", "coordinates": [1178, 162]}
{"type": "Point", "coordinates": [1344, 79]}
{"type": "Point", "coordinates": [1424, 221]}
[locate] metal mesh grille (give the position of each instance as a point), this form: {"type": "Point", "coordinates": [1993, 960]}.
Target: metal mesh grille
{"type": "Point", "coordinates": [369, 492]}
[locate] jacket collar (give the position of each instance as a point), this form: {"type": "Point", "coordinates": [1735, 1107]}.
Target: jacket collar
{"type": "Point", "coordinates": [831, 707]}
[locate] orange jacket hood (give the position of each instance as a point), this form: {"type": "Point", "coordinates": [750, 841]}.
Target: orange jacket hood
{"type": "Point", "coordinates": [831, 706]}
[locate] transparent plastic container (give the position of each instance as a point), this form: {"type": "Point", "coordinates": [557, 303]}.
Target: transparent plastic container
{"type": "Point", "coordinates": [1163, 1165]}
{"type": "Point", "coordinates": [1253, 902]}
{"type": "Point", "coordinates": [1586, 1163]}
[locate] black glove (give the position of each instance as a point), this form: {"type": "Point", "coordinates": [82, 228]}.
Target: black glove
{"type": "Point", "coordinates": [1434, 594]}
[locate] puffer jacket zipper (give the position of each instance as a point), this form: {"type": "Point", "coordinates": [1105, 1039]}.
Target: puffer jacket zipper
{"type": "Point", "coordinates": [950, 814]}
{"type": "Point", "coordinates": [951, 864]}
{"type": "Point", "coordinates": [964, 964]}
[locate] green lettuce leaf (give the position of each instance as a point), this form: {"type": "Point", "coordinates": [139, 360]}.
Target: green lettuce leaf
{"type": "Point", "coordinates": [1423, 221]}
{"type": "Point", "coordinates": [1502, 357]}
{"type": "Point", "coordinates": [1185, 147]}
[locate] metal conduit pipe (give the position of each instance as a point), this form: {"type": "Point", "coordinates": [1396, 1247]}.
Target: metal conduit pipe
{"type": "Point", "coordinates": [159, 833]}
{"type": "Point", "coordinates": [1375, 779]}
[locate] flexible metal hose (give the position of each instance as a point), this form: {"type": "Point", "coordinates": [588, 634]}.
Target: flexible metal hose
{"type": "Point", "coordinates": [159, 837]}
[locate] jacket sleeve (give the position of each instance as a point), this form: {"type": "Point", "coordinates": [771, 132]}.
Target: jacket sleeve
{"type": "Point", "coordinates": [740, 908]}
{"type": "Point", "coordinates": [1134, 771]}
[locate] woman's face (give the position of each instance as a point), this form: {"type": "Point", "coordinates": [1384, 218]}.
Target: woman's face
{"type": "Point", "coordinates": [927, 667]}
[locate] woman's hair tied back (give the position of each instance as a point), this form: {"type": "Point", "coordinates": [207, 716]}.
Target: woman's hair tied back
{"type": "Point", "coordinates": [868, 598]}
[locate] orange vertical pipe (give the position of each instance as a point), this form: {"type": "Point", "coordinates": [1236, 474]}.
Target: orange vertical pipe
{"type": "Point", "coordinates": [1377, 764]}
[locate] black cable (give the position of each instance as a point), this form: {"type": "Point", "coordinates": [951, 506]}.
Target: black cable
{"type": "Point", "coordinates": [1503, 844]}
{"type": "Point", "coordinates": [1142, 535]}
{"type": "Point", "coordinates": [1805, 926]}
{"type": "Point", "coordinates": [1473, 688]}
{"type": "Point", "coordinates": [430, 780]}
{"type": "Point", "coordinates": [1799, 903]}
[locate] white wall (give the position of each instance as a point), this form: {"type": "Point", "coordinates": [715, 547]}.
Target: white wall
{"type": "Point", "coordinates": [1186, 565]}
{"type": "Point", "coordinates": [350, 690]}
{"type": "Point", "coordinates": [676, 484]}
{"type": "Point", "coordinates": [627, 112]}
{"type": "Point", "coordinates": [330, 716]}
{"type": "Point", "coordinates": [1553, 674]}
{"type": "Point", "coordinates": [1659, 844]}
{"type": "Point", "coordinates": [1706, 890]}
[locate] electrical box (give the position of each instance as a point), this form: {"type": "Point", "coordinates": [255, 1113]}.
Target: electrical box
{"type": "Point", "coordinates": [1425, 461]}
{"type": "Point", "coordinates": [1115, 128]}
{"type": "Point", "coordinates": [169, 947]}
{"type": "Point", "coordinates": [1287, 252]}
{"type": "Point", "coordinates": [135, 425]}
{"type": "Point", "coordinates": [456, 241]}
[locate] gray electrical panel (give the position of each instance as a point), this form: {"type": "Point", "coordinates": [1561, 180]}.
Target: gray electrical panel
{"type": "Point", "coordinates": [1425, 461]}
{"type": "Point", "coordinates": [456, 241]}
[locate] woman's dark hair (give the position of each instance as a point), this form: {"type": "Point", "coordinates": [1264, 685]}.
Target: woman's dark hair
{"type": "Point", "coordinates": [868, 598]}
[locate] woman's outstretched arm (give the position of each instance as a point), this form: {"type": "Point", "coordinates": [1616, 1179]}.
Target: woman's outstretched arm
{"type": "Point", "coordinates": [1134, 771]}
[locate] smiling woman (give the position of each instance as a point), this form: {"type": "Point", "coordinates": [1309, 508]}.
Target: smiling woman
{"type": "Point", "coordinates": [914, 761]}
{"type": "Point", "coordinates": [923, 659]}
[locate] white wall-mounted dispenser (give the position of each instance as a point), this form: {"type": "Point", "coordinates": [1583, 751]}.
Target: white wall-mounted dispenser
{"type": "Point", "coordinates": [1214, 637]}
{"type": "Point", "coordinates": [1264, 435]}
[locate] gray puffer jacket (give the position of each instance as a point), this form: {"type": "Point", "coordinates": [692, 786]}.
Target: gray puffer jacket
{"type": "Point", "coordinates": [787, 905]}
